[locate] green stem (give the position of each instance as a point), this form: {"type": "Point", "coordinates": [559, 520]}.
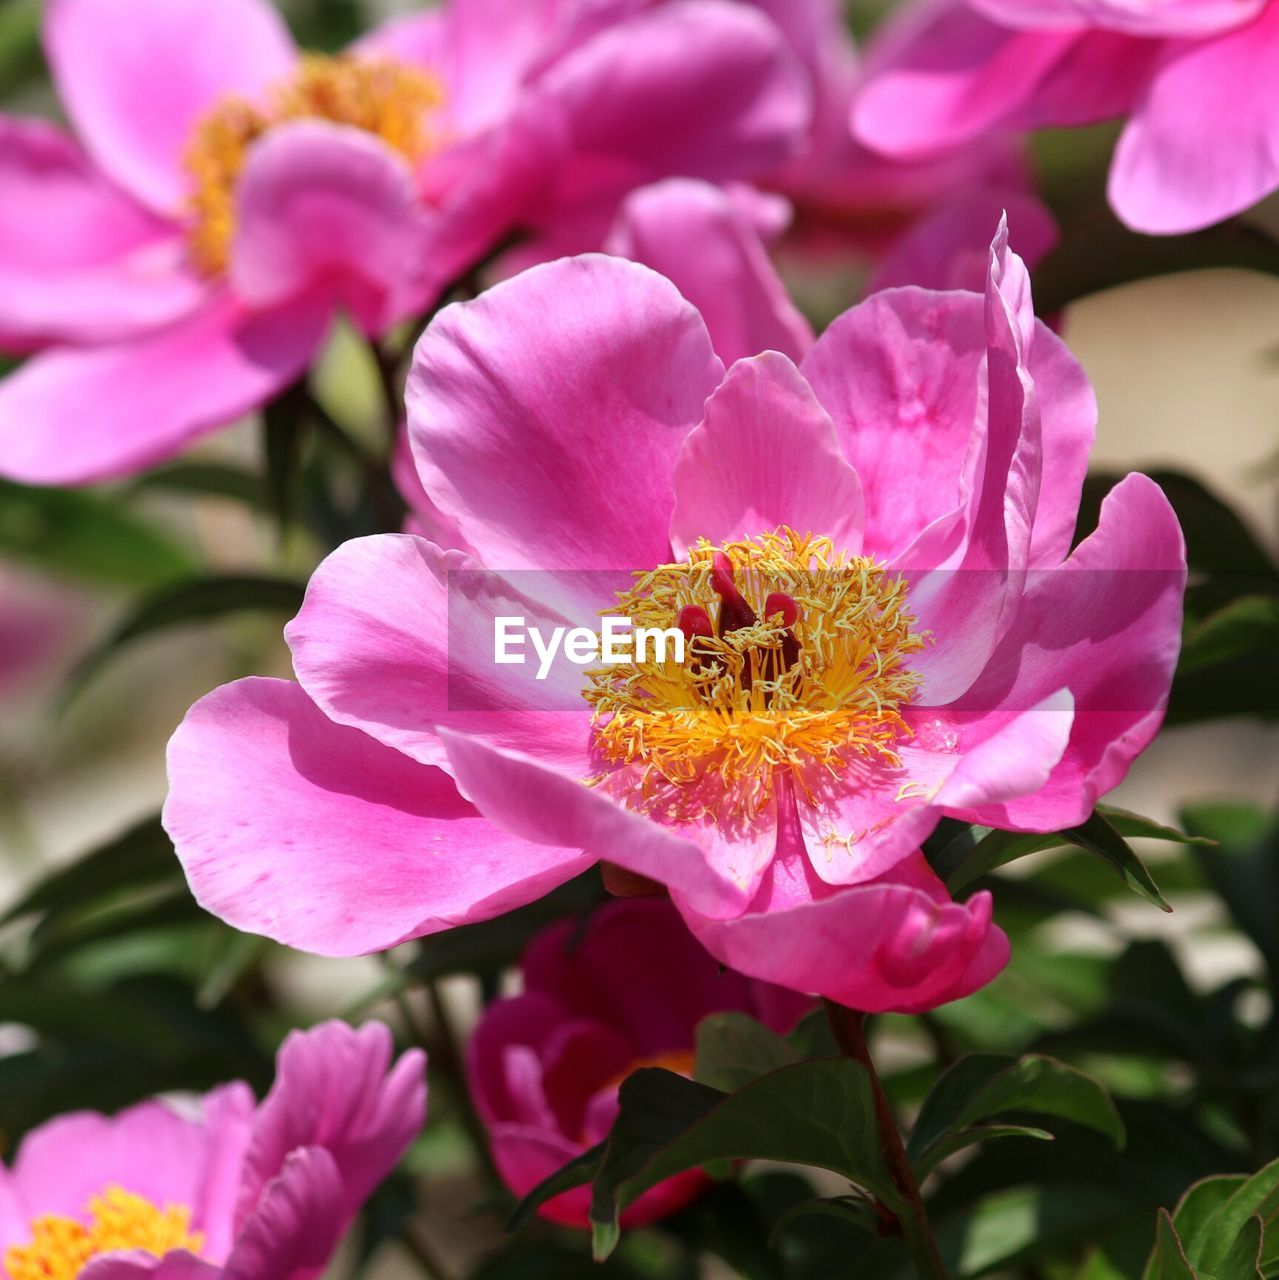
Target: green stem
{"type": "Point", "coordinates": [849, 1029]}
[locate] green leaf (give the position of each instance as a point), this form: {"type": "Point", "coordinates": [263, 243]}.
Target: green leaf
{"type": "Point", "coordinates": [733, 1049]}
{"type": "Point", "coordinates": [1098, 836]}
{"type": "Point", "coordinates": [78, 534]}
{"type": "Point", "coordinates": [1243, 628]}
{"type": "Point", "coordinates": [947, 1146]}
{"type": "Point", "coordinates": [818, 1113]}
{"type": "Point", "coordinates": [1242, 1261]}
{"type": "Point", "coordinates": [854, 1210]}
{"type": "Point", "coordinates": [981, 1086]}
{"type": "Point", "coordinates": [141, 857]}
{"type": "Point", "coordinates": [196, 600]}
{"type": "Point", "coordinates": [206, 479]}
{"type": "Point", "coordinates": [1243, 869]}
{"type": "Point", "coordinates": [1194, 1210]}
{"type": "Point", "coordinates": [962, 861]}
{"type": "Point", "coordinates": [1169, 1253]}
{"type": "Point", "coordinates": [1258, 1196]}
{"type": "Point", "coordinates": [577, 1173]}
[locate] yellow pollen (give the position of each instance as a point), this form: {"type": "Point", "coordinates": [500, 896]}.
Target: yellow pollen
{"type": "Point", "coordinates": [118, 1220]}
{"type": "Point", "coordinates": [711, 735]}
{"type": "Point", "coordinates": [378, 95]}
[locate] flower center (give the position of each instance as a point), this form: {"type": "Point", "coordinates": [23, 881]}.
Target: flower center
{"type": "Point", "coordinates": [60, 1247]}
{"type": "Point", "coordinates": [795, 656]}
{"type": "Point", "coordinates": [379, 95]}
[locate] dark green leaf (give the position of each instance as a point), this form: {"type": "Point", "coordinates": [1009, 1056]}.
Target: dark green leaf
{"type": "Point", "coordinates": [982, 1086]}
{"type": "Point", "coordinates": [1193, 1212]}
{"type": "Point", "coordinates": [196, 600]}
{"type": "Point", "coordinates": [1243, 868]}
{"type": "Point", "coordinates": [1257, 1197]}
{"type": "Point", "coordinates": [141, 857]}
{"type": "Point", "coordinates": [1243, 628]}
{"type": "Point", "coordinates": [206, 479]}
{"type": "Point", "coordinates": [577, 1173]}
{"type": "Point", "coordinates": [1098, 836]}
{"type": "Point", "coordinates": [733, 1050]}
{"type": "Point", "coordinates": [1170, 1256]}
{"type": "Point", "coordinates": [817, 1113]}
{"type": "Point", "coordinates": [948, 1145]}
{"type": "Point", "coordinates": [853, 1210]}
{"type": "Point", "coordinates": [78, 534]}
{"type": "Point", "coordinates": [1242, 1260]}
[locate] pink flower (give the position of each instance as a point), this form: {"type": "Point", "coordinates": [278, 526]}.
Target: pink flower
{"type": "Point", "coordinates": [179, 264]}
{"type": "Point", "coordinates": [600, 1001]}
{"type": "Point", "coordinates": [37, 620]}
{"type": "Point", "coordinates": [885, 530]}
{"type": "Point", "coordinates": [222, 1188]}
{"type": "Point", "coordinates": [1195, 149]}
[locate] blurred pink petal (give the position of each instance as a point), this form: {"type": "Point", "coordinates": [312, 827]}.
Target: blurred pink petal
{"type": "Point", "coordinates": [698, 237]}
{"type": "Point", "coordinates": [137, 75]}
{"type": "Point", "coordinates": [81, 415]}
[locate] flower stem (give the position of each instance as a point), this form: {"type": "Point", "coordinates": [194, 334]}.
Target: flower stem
{"type": "Point", "coordinates": [848, 1028]}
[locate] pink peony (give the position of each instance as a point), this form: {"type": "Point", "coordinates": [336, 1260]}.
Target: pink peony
{"type": "Point", "coordinates": [1196, 147]}
{"type": "Point", "coordinates": [180, 264]}
{"type": "Point", "coordinates": [223, 1188]}
{"type": "Point", "coordinates": [873, 552]}
{"type": "Point", "coordinates": [600, 1001]}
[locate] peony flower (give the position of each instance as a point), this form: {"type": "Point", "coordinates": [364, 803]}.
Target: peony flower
{"type": "Point", "coordinates": [171, 1192]}
{"type": "Point", "coordinates": [625, 991]}
{"type": "Point", "coordinates": [869, 556]}
{"type": "Point", "coordinates": [179, 264]}
{"type": "Point", "coordinates": [1195, 148]}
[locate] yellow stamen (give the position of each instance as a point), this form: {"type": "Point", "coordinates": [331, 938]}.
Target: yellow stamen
{"type": "Point", "coordinates": [378, 95]}
{"type": "Point", "coordinates": [711, 736]}
{"type": "Point", "coordinates": [60, 1247]}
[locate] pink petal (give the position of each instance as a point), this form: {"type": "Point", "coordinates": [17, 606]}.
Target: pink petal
{"type": "Point", "coordinates": [1197, 150]}
{"type": "Point", "coordinates": [81, 416]}
{"type": "Point", "coordinates": [950, 247]}
{"type": "Point", "coordinates": [952, 76]}
{"type": "Point", "coordinates": [424, 519]}
{"type": "Point", "coordinates": [697, 237]}
{"type": "Point", "coordinates": [140, 1265]}
{"type": "Point", "coordinates": [296, 1223]}
{"type": "Point", "coordinates": [636, 968]}
{"type": "Point", "coordinates": [898, 374]}
{"type": "Point", "coordinates": [538, 804]}
{"type": "Point", "coordinates": [327, 207]}
{"type": "Point", "coordinates": [316, 835]}
{"type": "Point", "coordinates": [1168, 18]}
{"type": "Point", "coordinates": [871, 818]}
{"type": "Point", "coordinates": [78, 259]}
{"type": "Point", "coordinates": [148, 1150]}
{"type": "Point", "coordinates": [765, 455]}
{"type": "Point", "coordinates": [706, 89]}
{"type": "Point", "coordinates": [546, 416]}
{"type": "Point", "coordinates": [336, 1090]}
{"type": "Point", "coordinates": [396, 638]}
{"type": "Point", "coordinates": [1107, 624]}
{"type": "Point", "coordinates": [136, 76]}
{"type": "Point", "coordinates": [228, 1117]}
{"type": "Point", "coordinates": [896, 945]}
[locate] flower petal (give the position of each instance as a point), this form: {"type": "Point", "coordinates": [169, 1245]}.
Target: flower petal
{"type": "Point", "coordinates": [1107, 624]}
{"type": "Point", "coordinates": [546, 415]}
{"type": "Point", "coordinates": [79, 260]}
{"type": "Point", "coordinates": [1196, 150]}
{"type": "Point", "coordinates": [396, 637]}
{"type": "Point", "coordinates": [296, 1223]}
{"type": "Point", "coordinates": [1168, 18]}
{"type": "Point", "coordinates": [698, 238]}
{"type": "Point", "coordinates": [316, 835]}
{"type": "Point", "coordinates": [80, 416]}
{"type": "Point", "coordinates": [325, 206]}
{"type": "Point", "coordinates": [137, 75]}
{"type": "Point", "coordinates": [705, 88]}
{"type": "Point", "coordinates": [765, 455]}
{"type": "Point", "coordinates": [536, 803]}
{"type": "Point", "coordinates": [336, 1089]}
{"type": "Point", "coordinates": [896, 945]}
